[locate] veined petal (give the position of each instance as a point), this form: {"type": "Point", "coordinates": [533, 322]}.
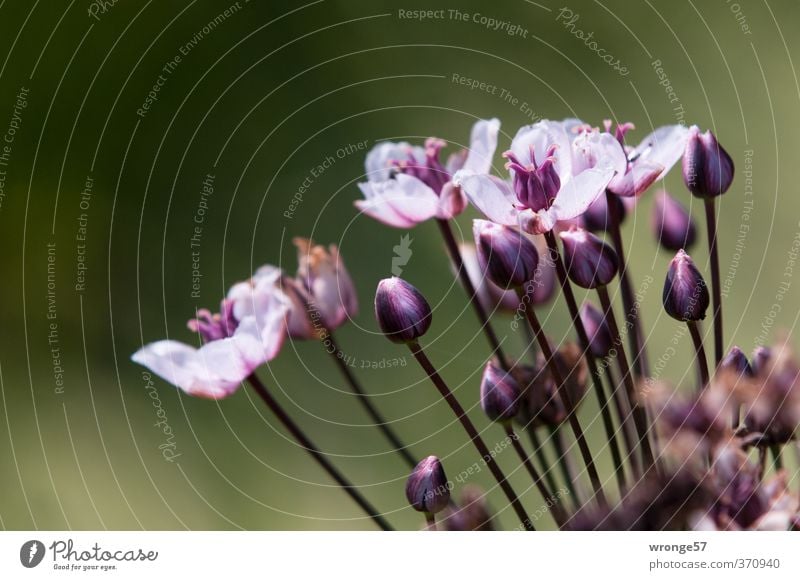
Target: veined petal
{"type": "Point", "coordinates": [452, 201]}
{"type": "Point", "coordinates": [579, 193]}
{"type": "Point", "coordinates": [184, 367]}
{"type": "Point", "coordinates": [641, 175]}
{"type": "Point", "coordinates": [664, 147]}
{"type": "Point", "coordinates": [482, 145]}
{"type": "Point", "coordinates": [381, 158]}
{"type": "Point", "coordinates": [493, 197]}
{"type": "Point", "coordinates": [401, 202]}
{"type": "Point", "coordinates": [541, 136]}
{"type": "Point", "coordinates": [597, 149]}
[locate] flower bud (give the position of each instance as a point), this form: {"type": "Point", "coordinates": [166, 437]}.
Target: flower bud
{"type": "Point", "coordinates": [672, 223]}
{"type": "Point", "coordinates": [736, 361]}
{"type": "Point", "coordinates": [508, 258]}
{"type": "Point", "coordinates": [322, 274]}
{"type": "Point", "coordinates": [685, 294]}
{"type": "Point", "coordinates": [535, 184]}
{"type": "Point", "coordinates": [589, 260]}
{"type": "Point", "coordinates": [600, 341]}
{"type": "Point", "coordinates": [427, 489]}
{"type": "Point", "coordinates": [500, 394]}
{"type": "Point", "coordinates": [402, 312]}
{"type": "Point", "coordinates": [707, 167]}
{"type": "Point", "coordinates": [597, 217]}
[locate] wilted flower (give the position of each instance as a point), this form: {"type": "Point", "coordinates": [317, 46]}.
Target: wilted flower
{"type": "Point", "coordinates": [707, 167]}
{"type": "Point", "coordinates": [500, 393]}
{"type": "Point", "coordinates": [490, 294]}
{"type": "Point", "coordinates": [741, 500]}
{"type": "Point", "coordinates": [472, 514]}
{"type": "Point", "coordinates": [234, 347]}
{"type": "Point", "coordinates": [762, 355]}
{"type": "Point", "coordinates": [323, 276]}
{"type": "Point", "coordinates": [600, 341]}
{"type": "Point", "coordinates": [590, 262]}
{"type": "Point", "coordinates": [508, 258]}
{"type": "Point", "coordinates": [557, 170]}
{"type": "Point", "coordinates": [409, 185]}
{"type": "Point", "coordinates": [649, 161]}
{"type": "Point", "coordinates": [672, 223]}
{"type": "Point", "coordinates": [694, 425]}
{"type": "Point", "coordinates": [427, 489]}
{"type": "Point", "coordinates": [401, 310]}
{"type": "Point", "coordinates": [685, 294]}
{"type": "Point", "coordinates": [772, 404]}
{"type": "Point", "coordinates": [541, 404]}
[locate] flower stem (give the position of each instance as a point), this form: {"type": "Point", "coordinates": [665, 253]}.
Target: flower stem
{"type": "Point", "coordinates": [777, 461]}
{"type": "Point", "coordinates": [702, 363]}
{"type": "Point", "coordinates": [566, 397]}
{"type": "Point", "coordinates": [430, 521]}
{"type": "Point", "coordinates": [565, 462]}
{"type": "Point", "coordinates": [711, 226]}
{"type": "Point", "coordinates": [547, 494]}
{"type": "Point", "coordinates": [472, 433]}
{"type": "Point", "coordinates": [458, 264]}
{"type": "Point", "coordinates": [380, 422]}
{"type": "Point", "coordinates": [636, 336]}
{"type": "Point", "coordinates": [625, 416]}
{"type": "Point", "coordinates": [541, 457]}
{"type": "Point", "coordinates": [312, 449]}
{"type": "Point", "coordinates": [639, 412]}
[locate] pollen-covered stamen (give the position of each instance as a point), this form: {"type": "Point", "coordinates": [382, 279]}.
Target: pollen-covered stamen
{"type": "Point", "coordinates": [214, 326]}
{"type": "Point", "coordinates": [536, 185]}
{"type": "Point", "coordinates": [430, 170]}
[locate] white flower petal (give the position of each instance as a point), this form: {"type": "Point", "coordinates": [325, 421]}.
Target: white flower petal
{"type": "Point", "coordinates": [491, 196]}
{"type": "Point", "coordinates": [400, 202]}
{"type": "Point", "coordinates": [663, 146]}
{"type": "Point", "coordinates": [580, 192]}
{"type": "Point", "coordinates": [541, 136]}
{"type": "Point", "coordinates": [482, 145]}
{"type": "Point", "coordinates": [380, 160]}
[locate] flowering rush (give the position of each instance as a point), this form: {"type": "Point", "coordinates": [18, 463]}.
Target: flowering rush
{"type": "Point", "coordinates": [709, 454]}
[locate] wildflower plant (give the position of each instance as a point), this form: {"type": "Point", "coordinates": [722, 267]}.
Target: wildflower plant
{"type": "Point", "coordinates": [550, 220]}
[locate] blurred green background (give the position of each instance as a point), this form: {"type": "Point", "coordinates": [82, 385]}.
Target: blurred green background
{"type": "Point", "coordinates": [260, 98]}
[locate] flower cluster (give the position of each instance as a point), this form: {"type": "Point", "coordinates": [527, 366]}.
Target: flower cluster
{"type": "Point", "coordinates": [551, 220]}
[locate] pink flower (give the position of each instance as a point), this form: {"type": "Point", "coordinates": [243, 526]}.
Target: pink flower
{"type": "Point", "coordinates": [649, 161]}
{"type": "Point", "coordinates": [216, 369]}
{"type": "Point", "coordinates": [408, 185]}
{"type": "Point", "coordinates": [557, 170]}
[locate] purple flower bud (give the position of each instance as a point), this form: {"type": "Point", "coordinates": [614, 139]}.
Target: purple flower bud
{"type": "Point", "coordinates": [594, 322]}
{"type": "Point", "coordinates": [402, 312]}
{"type": "Point", "coordinates": [589, 260]}
{"type": "Point", "coordinates": [427, 489]}
{"type": "Point", "coordinates": [685, 294]}
{"type": "Point", "coordinates": [500, 394]}
{"type": "Point", "coordinates": [508, 258]}
{"type": "Point", "coordinates": [736, 361]}
{"type": "Point", "coordinates": [598, 217]}
{"type": "Point", "coordinates": [707, 167]}
{"type": "Point", "coordinates": [536, 185]}
{"type": "Point", "coordinates": [672, 223]}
